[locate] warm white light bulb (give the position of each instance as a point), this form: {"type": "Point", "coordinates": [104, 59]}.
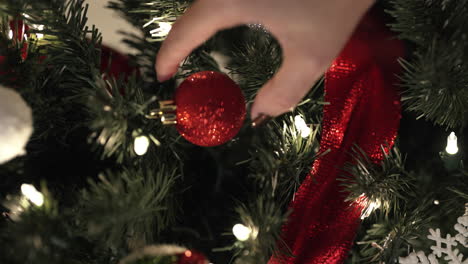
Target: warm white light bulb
{"type": "Point", "coordinates": [369, 207]}
{"type": "Point", "coordinates": [33, 195]}
{"type": "Point", "coordinates": [141, 145]}
{"type": "Point", "coordinates": [165, 27]}
{"type": "Point", "coordinates": [40, 35]}
{"type": "Point", "coordinates": [162, 30]}
{"type": "Point", "coordinates": [241, 232]}
{"type": "Point", "coordinates": [301, 125]}
{"type": "Point", "coordinates": [10, 34]}
{"type": "Point", "coordinates": [452, 147]}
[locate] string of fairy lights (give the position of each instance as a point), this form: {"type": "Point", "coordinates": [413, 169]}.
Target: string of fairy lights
{"type": "Point", "coordinates": [240, 231]}
{"type": "Point", "coordinates": [243, 233]}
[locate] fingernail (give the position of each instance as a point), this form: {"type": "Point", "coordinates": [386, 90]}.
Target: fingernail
{"type": "Point", "coordinates": [260, 119]}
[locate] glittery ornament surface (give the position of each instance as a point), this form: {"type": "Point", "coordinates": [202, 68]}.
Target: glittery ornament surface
{"type": "Point", "coordinates": [210, 108]}
{"type": "Point", "coordinates": [259, 27]}
{"type": "Point", "coordinates": [192, 257]}
{"type": "Point", "coordinates": [365, 110]}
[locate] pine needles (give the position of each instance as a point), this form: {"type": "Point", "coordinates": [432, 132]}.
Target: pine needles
{"type": "Point", "coordinates": [130, 208]}
{"type": "Point", "coordinates": [386, 184]}
{"type": "Point", "coordinates": [436, 79]}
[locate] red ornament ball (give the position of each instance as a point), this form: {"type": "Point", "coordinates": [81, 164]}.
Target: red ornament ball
{"type": "Point", "coordinates": [192, 257]}
{"type": "Point", "coordinates": [210, 108]}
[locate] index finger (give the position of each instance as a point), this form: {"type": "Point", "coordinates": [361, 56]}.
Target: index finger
{"type": "Point", "coordinates": [202, 20]}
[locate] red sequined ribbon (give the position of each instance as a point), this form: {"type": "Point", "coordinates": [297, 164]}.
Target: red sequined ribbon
{"type": "Point", "coordinates": [364, 109]}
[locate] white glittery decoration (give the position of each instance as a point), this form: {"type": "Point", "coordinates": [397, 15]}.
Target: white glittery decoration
{"type": "Point", "coordinates": [259, 27]}
{"type": "Point", "coordinates": [444, 247]}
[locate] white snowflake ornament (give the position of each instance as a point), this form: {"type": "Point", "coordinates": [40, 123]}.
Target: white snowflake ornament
{"type": "Point", "coordinates": [16, 124]}
{"type": "Point", "coordinates": [445, 247]}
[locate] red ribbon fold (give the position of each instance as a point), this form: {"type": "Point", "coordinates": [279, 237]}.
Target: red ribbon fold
{"type": "Point", "coordinates": [365, 110]}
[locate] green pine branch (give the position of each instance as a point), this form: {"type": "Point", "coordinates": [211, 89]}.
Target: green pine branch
{"type": "Point", "coordinates": [390, 237]}
{"type": "Point", "coordinates": [44, 234]}
{"type": "Point", "coordinates": [141, 13]}
{"type": "Point", "coordinates": [435, 86]}
{"type": "Point", "coordinates": [128, 209]}
{"type": "Point", "coordinates": [255, 59]}
{"type": "Point", "coordinates": [435, 80]}
{"type": "Point", "coordinates": [265, 218]}
{"type": "Point", "coordinates": [387, 184]}
{"type": "Point", "coordinates": [57, 68]}
{"type": "Point", "coordinates": [280, 159]}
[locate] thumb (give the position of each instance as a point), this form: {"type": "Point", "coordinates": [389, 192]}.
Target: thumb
{"type": "Point", "coordinates": [286, 89]}
{"type": "Point", "coordinates": [202, 20]}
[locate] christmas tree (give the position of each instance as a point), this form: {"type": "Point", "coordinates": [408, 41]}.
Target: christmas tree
{"type": "Point", "coordinates": [102, 163]}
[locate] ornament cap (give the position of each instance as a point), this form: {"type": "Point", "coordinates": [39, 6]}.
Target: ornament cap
{"type": "Point", "coordinates": [165, 112]}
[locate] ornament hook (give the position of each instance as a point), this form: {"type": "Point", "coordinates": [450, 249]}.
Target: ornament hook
{"type": "Point", "coordinates": [165, 112]}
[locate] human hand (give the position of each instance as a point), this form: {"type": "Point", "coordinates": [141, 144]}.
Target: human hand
{"type": "Point", "coordinates": [310, 32]}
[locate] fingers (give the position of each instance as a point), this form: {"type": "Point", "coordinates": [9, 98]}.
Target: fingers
{"type": "Point", "coordinates": [202, 20]}
{"type": "Point", "coordinates": [286, 89]}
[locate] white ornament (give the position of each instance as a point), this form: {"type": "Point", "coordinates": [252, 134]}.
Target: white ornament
{"type": "Point", "coordinates": [446, 247]}
{"type": "Point", "coordinates": [16, 125]}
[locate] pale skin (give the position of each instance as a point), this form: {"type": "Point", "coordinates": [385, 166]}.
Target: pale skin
{"type": "Point", "coordinates": [310, 32]}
